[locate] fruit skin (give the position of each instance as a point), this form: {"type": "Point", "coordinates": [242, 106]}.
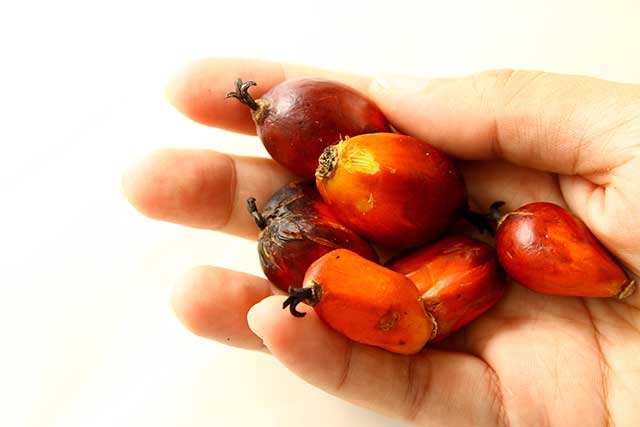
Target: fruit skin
{"type": "Point", "coordinates": [547, 249]}
{"type": "Point", "coordinates": [458, 277]}
{"type": "Point", "coordinates": [392, 189]}
{"type": "Point", "coordinates": [298, 229]}
{"type": "Point", "coordinates": [366, 302]}
{"type": "Point", "coordinates": [299, 117]}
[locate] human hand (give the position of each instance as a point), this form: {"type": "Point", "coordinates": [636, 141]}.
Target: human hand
{"type": "Point", "coordinates": [521, 137]}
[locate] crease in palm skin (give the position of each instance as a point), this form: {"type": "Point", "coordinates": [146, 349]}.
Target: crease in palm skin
{"type": "Point", "coordinates": [518, 136]}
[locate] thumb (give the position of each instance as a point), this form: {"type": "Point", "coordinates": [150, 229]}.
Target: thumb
{"type": "Point", "coordinates": [418, 388]}
{"type": "Point", "coordinates": [555, 123]}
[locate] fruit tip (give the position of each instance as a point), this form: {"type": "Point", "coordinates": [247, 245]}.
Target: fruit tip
{"type": "Point", "coordinates": [628, 290]}
{"type": "Point", "coordinates": [434, 331]}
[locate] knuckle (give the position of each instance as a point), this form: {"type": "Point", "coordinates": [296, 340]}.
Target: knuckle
{"type": "Point", "coordinates": [418, 381]}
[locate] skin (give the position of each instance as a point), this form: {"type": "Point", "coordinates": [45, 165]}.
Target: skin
{"type": "Point", "coordinates": [520, 136]}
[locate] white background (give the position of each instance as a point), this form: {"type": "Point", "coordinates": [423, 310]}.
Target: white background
{"type": "Point", "coordinates": [87, 335]}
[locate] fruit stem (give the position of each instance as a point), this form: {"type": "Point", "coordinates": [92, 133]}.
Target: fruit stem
{"type": "Point", "coordinates": [309, 294]}
{"type": "Point", "coordinates": [484, 222]}
{"type": "Point", "coordinates": [257, 216]}
{"type": "Point", "coordinates": [494, 210]}
{"type": "Point", "coordinates": [242, 94]}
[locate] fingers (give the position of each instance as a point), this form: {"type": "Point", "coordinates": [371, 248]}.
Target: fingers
{"type": "Point", "coordinates": [554, 123]}
{"type": "Point", "coordinates": [206, 189]}
{"type": "Point", "coordinates": [610, 212]}
{"type": "Point", "coordinates": [202, 188]}
{"type": "Point", "coordinates": [213, 303]}
{"type": "Point", "coordinates": [198, 90]}
{"type": "Point", "coordinates": [432, 388]}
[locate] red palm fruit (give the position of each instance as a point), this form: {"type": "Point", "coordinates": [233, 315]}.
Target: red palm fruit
{"type": "Point", "coordinates": [298, 228]}
{"type": "Point", "coordinates": [459, 279]}
{"type": "Point", "coordinates": [299, 117]}
{"type": "Point", "coordinates": [391, 189]}
{"type": "Point", "coordinates": [365, 302]}
{"type": "Point", "coordinates": [547, 249]}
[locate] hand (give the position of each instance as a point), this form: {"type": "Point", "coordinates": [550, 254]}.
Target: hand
{"type": "Point", "coordinates": [520, 137]}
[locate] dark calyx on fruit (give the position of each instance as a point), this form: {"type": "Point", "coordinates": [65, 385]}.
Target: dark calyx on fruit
{"type": "Point", "coordinates": [309, 295]}
{"type": "Point", "coordinates": [485, 222]}
{"type": "Point", "coordinates": [327, 162]}
{"type": "Point", "coordinates": [258, 107]}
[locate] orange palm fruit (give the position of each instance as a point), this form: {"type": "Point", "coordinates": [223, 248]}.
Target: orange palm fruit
{"type": "Point", "coordinates": [392, 189]}
{"type": "Point", "coordinates": [365, 302]}
{"type": "Point", "coordinates": [297, 228]}
{"type": "Point", "coordinates": [549, 250]}
{"type": "Point", "coordinates": [458, 277]}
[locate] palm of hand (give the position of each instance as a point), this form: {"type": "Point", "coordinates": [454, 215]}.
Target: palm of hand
{"type": "Point", "coordinates": [557, 360]}
{"type": "Point", "coordinates": [548, 360]}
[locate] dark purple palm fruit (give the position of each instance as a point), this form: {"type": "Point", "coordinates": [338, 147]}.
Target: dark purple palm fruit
{"type": "Point", "coordinates": [299, 117]}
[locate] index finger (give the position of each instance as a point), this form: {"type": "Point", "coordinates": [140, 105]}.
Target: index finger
{"type": "Point", "coordinates": [198, 90]}
{"type": "Point", "coordinates": [571, 125]}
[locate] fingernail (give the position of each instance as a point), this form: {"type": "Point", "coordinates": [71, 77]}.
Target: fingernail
{"type": "Point", "coordinates": [398, 82]}
{"type": "Point", "coordinates": [254, 319]}
{"type": "Point", "coordinates": [175, 83]}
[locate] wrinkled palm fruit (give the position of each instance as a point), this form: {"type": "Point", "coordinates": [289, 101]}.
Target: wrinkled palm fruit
{"type": "Point", "coordinates": [296, 229]}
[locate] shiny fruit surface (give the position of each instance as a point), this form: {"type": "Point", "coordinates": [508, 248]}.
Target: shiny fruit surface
{"type": "Point", "coordinates": [299, 117]}
{"type": "Point", "coordinates": [297, 229]}
{"type": "Point", "coordinates": [365, 302]}
{"type": "Point", "coordinates": [392, 189]}
{"type": "Point", "coordinates": [547, 249]}
{"type": "Point", "coordinates": [459, 279]}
